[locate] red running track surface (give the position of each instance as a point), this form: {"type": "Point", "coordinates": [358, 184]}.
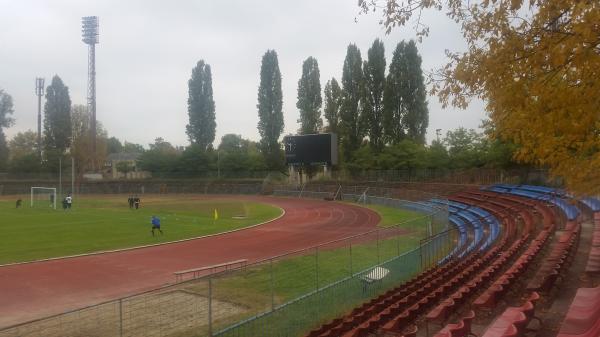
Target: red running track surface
{"type": "Point", "coordinates": [39, 289]}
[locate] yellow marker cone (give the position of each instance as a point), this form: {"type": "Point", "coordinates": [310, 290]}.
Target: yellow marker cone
{"type": "Point", "coordinates": [216, 214]}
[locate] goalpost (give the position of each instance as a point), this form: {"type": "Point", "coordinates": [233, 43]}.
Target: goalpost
{"type": "Point", "coordinates": [41, 195]}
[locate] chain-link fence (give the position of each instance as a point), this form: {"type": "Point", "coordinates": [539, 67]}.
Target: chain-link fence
{"type": "Point", "coordinates": [137, 187]}
{"type": "Point", "coordinates": [401, 198]}
{"type": "Point", "coordinates": [286, 295]}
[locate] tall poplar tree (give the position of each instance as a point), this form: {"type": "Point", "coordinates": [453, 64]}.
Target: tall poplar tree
{"type": "Point", "coordinates": [270, 115]}
{"type": "Point", "coordinates": [309, 97]}
{"type": "Point", "coordinates": [6, 109]}
{"type": "Point", "coordinates": [333, 104]}
{"type": "Point", "coordinates": [351, 127]}
{"type": "Point", "coordinates": [57, 118]}
{"type": "Point", "coordinates": [414, 95]}
{"type": "Point", "coordinates": [201, 107]}
{"type": "Point", "coordinates": [393, 105]}
{"type": "Point", "coordinates": [374, 77]}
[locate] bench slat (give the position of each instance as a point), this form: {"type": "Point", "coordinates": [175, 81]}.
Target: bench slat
{"type": "Point", "coordinates": [195, 270]}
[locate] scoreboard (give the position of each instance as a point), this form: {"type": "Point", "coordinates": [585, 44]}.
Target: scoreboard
{"type": "Point", "coordinates": [311, 149]}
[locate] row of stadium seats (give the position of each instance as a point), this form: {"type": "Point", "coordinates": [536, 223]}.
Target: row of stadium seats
{"type": "Point", "coordinates": [519, 213]}
{"type": "Point", "coordinates": [592, 268]}
{"type": "Point", "coordinates": [559, 259]}
{"type": "Point", "coordinates": [542, 193]}
{"type": "Point", "coordinates": [514, 320]}
{"type": "Point", "coordinates": [501, 283]}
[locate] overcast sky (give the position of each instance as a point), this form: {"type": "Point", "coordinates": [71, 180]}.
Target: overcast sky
{"type": "Point", "coordinates": [148, 48]}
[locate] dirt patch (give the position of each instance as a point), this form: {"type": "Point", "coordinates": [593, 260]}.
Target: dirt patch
{"type": "Point", "coordinates": [175, 313]}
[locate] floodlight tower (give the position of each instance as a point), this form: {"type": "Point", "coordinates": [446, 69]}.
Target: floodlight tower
{"type": "Point", "coordinates": [89, 29]}
{"type": "Point", "coordinates": [39, 92]}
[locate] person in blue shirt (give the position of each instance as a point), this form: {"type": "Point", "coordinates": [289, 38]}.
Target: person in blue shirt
{"type": "Point", "coordinates": [156, 224]}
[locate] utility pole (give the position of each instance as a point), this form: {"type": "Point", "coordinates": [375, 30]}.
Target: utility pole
{"type": "Point", "coordinates": [39, 92]}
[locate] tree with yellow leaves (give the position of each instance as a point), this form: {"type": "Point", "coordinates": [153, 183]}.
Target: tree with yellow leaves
{"type": "Point", "coordinates": [536, 64]}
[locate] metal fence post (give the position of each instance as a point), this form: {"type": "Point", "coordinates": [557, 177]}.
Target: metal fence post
{"type": "Point", "coordinates": [317, 266]}
{"type": "Point", "coordinates": [421, 255]}
{"type": "Point", "coordinates": [210, 307]}
{"type": "Point", "coordinates": [398, 244]}
{"type": "Point", "coordinates": [272, 286]}
{"type": "Point", "coordinates": [378, 259]}
{"type": "Point", "coordinates": [351, 271]}
{"type": "Point", "coordinates": [120, 317]}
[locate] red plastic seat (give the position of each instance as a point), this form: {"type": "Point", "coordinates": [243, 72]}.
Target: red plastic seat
{"type": "Point", "coordinates": [411, 331]}
{"type": "Point", "coordinates": [583, 317]}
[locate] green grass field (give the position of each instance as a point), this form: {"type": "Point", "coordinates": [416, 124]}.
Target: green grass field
{"type": "Point", "coordinates": [104, 223]}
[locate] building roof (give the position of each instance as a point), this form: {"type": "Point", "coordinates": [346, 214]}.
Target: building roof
{"type": "Point", "coordinates": [123, 156]}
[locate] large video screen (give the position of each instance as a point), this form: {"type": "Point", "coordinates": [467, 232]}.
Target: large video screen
{"type": "Point", "coordinates": [311, 149]}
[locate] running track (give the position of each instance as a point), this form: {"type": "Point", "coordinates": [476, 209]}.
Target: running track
{"type": "Point", "coordinates": [35, 290]}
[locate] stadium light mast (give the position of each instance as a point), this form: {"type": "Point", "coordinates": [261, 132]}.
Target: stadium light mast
{"type": "Point", "coordinates": [90, 36]}
{"type": "Point", "coordinates": [39, 92]}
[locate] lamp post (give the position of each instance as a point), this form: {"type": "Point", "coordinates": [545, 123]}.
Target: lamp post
{"type": "Point", "coordinates": [90, 36]}
{"type": "Point", "coordinates": [39, 92]}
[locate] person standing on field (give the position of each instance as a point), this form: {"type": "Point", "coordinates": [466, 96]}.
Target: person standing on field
{"type": "Point", "coordinates": [19, 201]}
{"type": "Point", "coordinates": [69, 201]}
{"type": "Point", "coordinates": [136, 202]}
{"type": "Point", "coordinates": [156, 224]}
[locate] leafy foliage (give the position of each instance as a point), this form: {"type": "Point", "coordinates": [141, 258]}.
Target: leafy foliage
{"type": "Point", "coordinates": [201, 107]}
{"type": "Point", "coordinates": [132, 147]}
{"type": "Point", "coordinates": [536, 64]}
{"type": "Point", "coordinates": [81, 129]}
{"type": "Point", "coordinates": [160, 157]}
{"type": "Point", "coordinates": [113, 145]}
{"type": "Point", "coordinates": [460, 149]}
{"type": "Point", "coordinates": [57, 118]}
{"type": "Point", "coordinates": [406, 113]}
{"type": "Point", "coordinates": [351, 123]}
{"type": "Point", "coordinates": [22, 144]}
{"type": "Point", "coordinates": [309, 98]}
{"type": "Point", "coordinates": [238, 154]}
{"type": "Point", "coordinates": [333, 104]}
{"type": "Point", "coordinates": [270, 101]}
{"type": "Point", "coordinates": [394, 110]}
{"type": "Point", "coordinates": [414, 95]}
{"type": "Point", "coordinates": [26, 163]}
{"type": "Point", "coordinates": [6, 109]}
{"type": "Point", "coordinates": [374, 77]}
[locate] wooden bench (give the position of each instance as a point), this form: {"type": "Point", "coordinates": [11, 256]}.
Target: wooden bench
{"type": "Point", "coordinates": [196, 272]}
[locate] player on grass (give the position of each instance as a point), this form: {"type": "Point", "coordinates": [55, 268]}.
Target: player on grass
{"type": "Point", "coordinates": [19, 202]}
{"type": "Point", "coordinates": [69, 200]}
{"type": "Point", "coordinates": [156, 224]}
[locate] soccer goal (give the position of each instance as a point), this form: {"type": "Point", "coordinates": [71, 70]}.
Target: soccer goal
{"type": "Point", "coordinates": [43, 197]}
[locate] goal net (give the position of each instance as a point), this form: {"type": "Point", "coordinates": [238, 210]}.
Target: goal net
{"type": "Point", "coordinates": [43, 197]}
